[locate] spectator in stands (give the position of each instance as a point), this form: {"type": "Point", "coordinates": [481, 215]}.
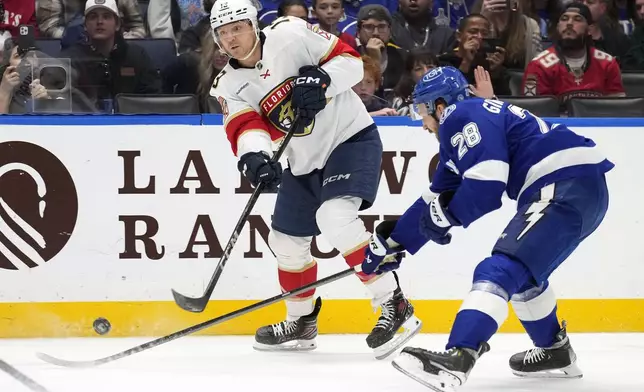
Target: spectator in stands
{"type": "Point", "coordinates": [169, 18]}
{"type": "Point", "coordinates": [634, 58]}
{"type": "Point", "coordinates": [368, 86]}
{"type": "Point", "coordinates": [17, 86]}
{"type": "Point", "coordinates": [472, 51]}
{"type": "Point", "coordinates": [328, 14]}
{"type": "Point", "coordinates": [194, 72]}
{"type": "Point", "coordinates": [573, 67]}
{"type": "Point", "coordinates": [191, 38]}
{"type": "Point", "coordinates": [14, 13]}
{"type": "Point", "coordinates": [606, 32]}
{"type": "Point", "coordinates": [419, 61]}
{"type": "Point", "coordinates": [413, 25]}
{"type": "Point", "coordinates": [212, 61]}
{"type": "Point", "coordinates": [374, 33]}
{"type": "Point", "coordinates": [517, 33]}
{"type": "Point", "coordinates": [108, 65]}
{"type": "Point", "coordinates": [54, 16]}
{"type": "Point", "coordinates": [296, 8]}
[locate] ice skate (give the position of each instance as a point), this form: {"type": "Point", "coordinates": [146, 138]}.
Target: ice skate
{"type": "Point", "coordinates": [396, 312]}
{"type": "Point", "coordinates": [441, 372]}
{"type": "Point", "coordinates": [296, 335]}
{"type": "Point", "coordinates": [557, 361]}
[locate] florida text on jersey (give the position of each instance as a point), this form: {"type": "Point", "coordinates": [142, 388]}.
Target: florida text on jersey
{"type": "Point", "coordinates": [257, 101]}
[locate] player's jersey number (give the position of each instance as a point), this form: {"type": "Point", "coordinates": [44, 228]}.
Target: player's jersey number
{"type": "Point", "coordinates": [494, 106]}
{"type": "Point", "coordinates": [466, 139]}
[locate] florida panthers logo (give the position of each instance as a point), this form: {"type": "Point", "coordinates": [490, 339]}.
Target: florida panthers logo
{"type": "Point", "coordinates": [276, 106]}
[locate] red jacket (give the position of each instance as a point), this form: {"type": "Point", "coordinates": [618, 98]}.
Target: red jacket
{"type": "Point", "coordinates": [17, 12]}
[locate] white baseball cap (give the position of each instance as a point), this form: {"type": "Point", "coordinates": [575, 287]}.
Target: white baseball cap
{"type": "Point", "coordinates": [107, 4]}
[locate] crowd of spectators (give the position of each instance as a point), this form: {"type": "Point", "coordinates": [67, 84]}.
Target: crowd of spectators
{"type": "Point", "coordinates": [81, 55]}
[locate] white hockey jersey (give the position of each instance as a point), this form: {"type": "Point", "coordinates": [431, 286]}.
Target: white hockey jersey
{"type": "Point", "coordinates": [256, 102]}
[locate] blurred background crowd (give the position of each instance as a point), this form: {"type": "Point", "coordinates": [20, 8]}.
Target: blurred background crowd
{"type": "Point", "coordinates": [553, 57]}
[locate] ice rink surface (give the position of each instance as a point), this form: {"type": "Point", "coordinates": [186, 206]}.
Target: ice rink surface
{"type": "Point", "coordinates": [341, 363]}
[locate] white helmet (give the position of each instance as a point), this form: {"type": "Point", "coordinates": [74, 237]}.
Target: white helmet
{"type": "Point", "coordinates": [229, 11]}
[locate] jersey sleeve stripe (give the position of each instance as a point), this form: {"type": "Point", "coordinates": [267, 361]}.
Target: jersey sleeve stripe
{"type": "Point", "coordinates": [339, 48]}
{"type": "Point", "coordinates": [564, 158]}
{"type": "Point", "coordinates": [491, 170]}
{"type": "Point", "coordinates": [241, 122]}
{"type": "Point", "coordinates": [235, 115]}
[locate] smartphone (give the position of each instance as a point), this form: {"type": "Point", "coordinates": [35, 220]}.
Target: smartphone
{"type": "Point", "coordinates": [490, 45]}
{"type": "Point", "coordinates": [26, 39]}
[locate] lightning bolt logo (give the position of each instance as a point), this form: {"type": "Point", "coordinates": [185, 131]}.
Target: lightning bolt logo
{"type": "Point", "coordinates": [535, 213]}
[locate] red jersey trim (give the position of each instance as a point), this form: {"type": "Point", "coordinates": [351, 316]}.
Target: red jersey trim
{"type": "Point", "coordinates": [339, 48]}
{"type": "Point", "coordinates": [245, 121]}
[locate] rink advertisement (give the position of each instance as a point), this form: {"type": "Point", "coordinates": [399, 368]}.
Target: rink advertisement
{"type": "Point", "coordinates": [101, 220]}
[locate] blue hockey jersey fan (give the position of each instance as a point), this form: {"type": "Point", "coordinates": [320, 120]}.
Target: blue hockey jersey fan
{"type": "Point", "coordinates": [557, 177]}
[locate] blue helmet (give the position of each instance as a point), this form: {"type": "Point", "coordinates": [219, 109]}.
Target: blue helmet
{"type": "Point", "coordinates": [447, 83]}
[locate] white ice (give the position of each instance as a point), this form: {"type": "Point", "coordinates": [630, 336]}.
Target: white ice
{"type": "Point", "coordinates": [341, 363]}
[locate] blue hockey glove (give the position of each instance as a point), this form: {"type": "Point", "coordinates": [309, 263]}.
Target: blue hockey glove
{"type": "Point", "coordinates": [258, 168]}
{"type": "Point", "coordinates": [379, 256]}
{"type": "Point", "coordinates": [436, 220]}
{"type": "Point", "coordinates": [415, 227]}
{"type": "Point", "coordinates": [309, 91]}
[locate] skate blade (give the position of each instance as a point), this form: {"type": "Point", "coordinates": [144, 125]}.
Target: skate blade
{"type": "Point", "coordinates": [294, 345]}
{"type": "Point", "coordinates": [413, 368]}
{"type": "Point", "coordinates": [411, 328]}
{"type": "Point", "coordinates": [571, 371]}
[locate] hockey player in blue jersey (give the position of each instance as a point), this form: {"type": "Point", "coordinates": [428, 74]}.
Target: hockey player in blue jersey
{"type": "Point", "coordinates": [488, 147]}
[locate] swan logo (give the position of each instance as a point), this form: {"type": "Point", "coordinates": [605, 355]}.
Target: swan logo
{"type": "Point", "coordinates": [38, 205]}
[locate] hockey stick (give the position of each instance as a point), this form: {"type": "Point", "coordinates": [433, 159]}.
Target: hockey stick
{"type": "Point", "coordinates": [199, 327]}
{"type": "Point", "coordinates": [15, 373]}
{"type": "Point", "coordinates": [198, 304]}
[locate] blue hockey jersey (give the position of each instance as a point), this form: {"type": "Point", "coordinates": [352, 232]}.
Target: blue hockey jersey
{"type": "Point", "coordinates": [489, 147]}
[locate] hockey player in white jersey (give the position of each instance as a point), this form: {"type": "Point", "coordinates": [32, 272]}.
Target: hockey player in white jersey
{"type": "Point", "coordinates": [334, 160]}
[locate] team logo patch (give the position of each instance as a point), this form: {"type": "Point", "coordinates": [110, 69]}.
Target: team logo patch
{"type": "Point", "coordinates": [276, 106]}
{"type": "Point", "coordinates": [530, 87]}
{"type": "Point", "coordinates": [316, 29]}
{"type": "Point", "coordinates": [224, 107]}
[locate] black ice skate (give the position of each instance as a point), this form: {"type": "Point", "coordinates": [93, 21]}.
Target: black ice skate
{"type": "Point", "coordinates": [557, 361]}
{"type": "Point", "coordinates": [441, 372]}
{"type": "Point", "coordinates": [395, 313]}
{"type": "Point", "coordinates": [298, 335]}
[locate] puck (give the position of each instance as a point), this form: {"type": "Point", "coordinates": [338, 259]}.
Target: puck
{"type": "Point", "coordinates": [102, 326]}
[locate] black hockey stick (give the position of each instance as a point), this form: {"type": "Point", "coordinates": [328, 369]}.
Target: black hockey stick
{"type": "Point", "coordinates": [199, 327]}
{"type": "Point", "coordinates": [26, 381]}
{"type": "Point", "coordinates": [198, 304]}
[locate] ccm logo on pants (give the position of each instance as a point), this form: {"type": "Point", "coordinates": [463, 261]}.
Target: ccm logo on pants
{"type": "Point", "coordinates": [336, 178]}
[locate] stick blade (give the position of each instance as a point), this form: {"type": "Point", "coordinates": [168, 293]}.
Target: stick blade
{"type": "Point", "coordinates": [195, 305]}
{"type": "Point", "coordinates": [64, 363]}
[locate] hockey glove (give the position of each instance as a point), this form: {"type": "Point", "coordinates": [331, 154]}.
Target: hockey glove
{"type": "Point", "coordinates": [415, 227]}
{"type": "Point", "coordinates": [309, 91]}
{"type": "Point", "coordinates": [258, 168]}
{"type": "Point", "coordinates": [380, 257]}
{"type": "Point", "coordinates": [436, 219]}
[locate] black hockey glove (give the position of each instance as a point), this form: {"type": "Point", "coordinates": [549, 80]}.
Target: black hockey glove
{"type": "Point", "coordinates": [309, 91]}
{"type": "Point", "coordinates": [380, 257]}
{"type": "Point", "coordinates": [258, 168]}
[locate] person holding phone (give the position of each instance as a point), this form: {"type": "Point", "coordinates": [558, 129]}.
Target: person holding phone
{"type": "Point", "coordinates": [474, 49]}
{"type": "Point", "coordinates": [517, 33]}
{"type": "Point", "coordinates": [18, 85]}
